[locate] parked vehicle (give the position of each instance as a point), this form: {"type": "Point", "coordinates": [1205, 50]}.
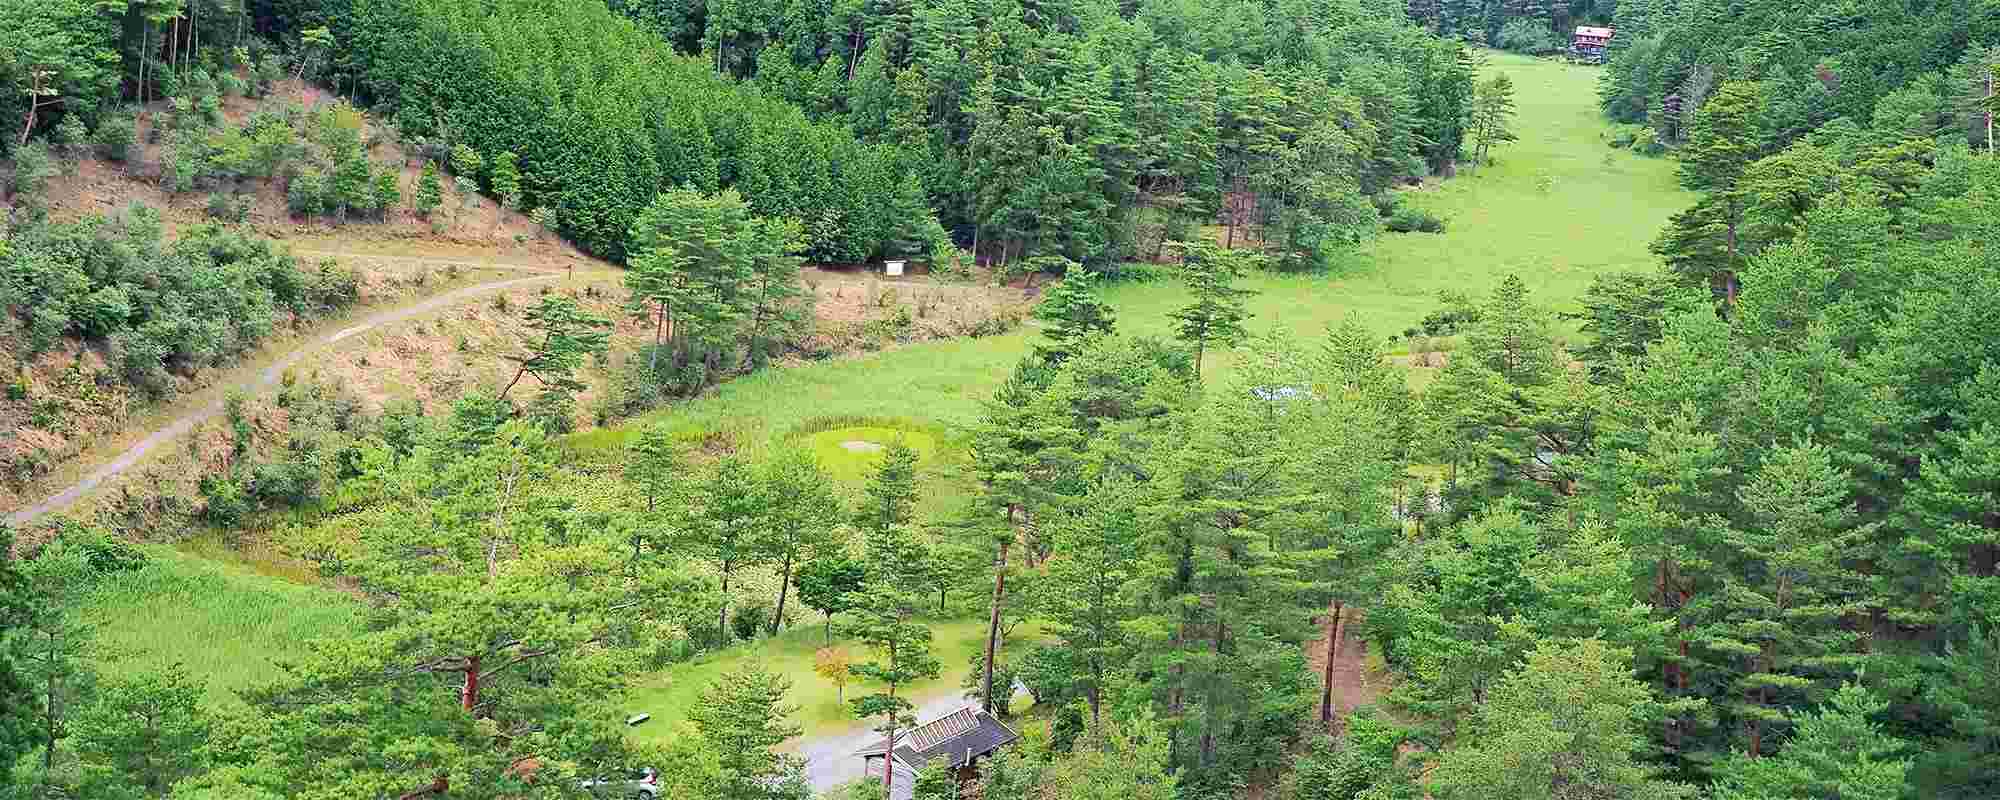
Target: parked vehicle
{"type": "Point", "coordinates": [643, 784]}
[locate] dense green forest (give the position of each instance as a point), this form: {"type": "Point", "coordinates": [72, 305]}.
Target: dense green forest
{"type": "Point", "coordinates": [1098, 132]}
{"type": "Point", "coordinates": [1726, 530]}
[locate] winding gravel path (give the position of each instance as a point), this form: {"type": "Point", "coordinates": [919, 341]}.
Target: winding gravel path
{"type": "Point", "coordinates": [269, 377]}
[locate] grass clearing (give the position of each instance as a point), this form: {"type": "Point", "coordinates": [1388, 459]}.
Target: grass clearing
{"type": "Point", "coordinates": [849, 454]}
{"type": "Point", "coordinates": [670, 693]}
{"type": "Point", "coordinates": [229, 625]}
{"type": "Point", "coordinates": [1600, 210]}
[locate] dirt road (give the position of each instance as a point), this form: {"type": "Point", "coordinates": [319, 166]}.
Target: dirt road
{"type": "Point", "coordinates": [264, 380]}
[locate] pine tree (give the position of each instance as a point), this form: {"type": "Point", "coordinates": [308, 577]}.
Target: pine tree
{"type": "Point", "coordinates": [802, 518]}
{"type": "Point", "coordinates": [743, 715]}
{"type": "Point", "coordinates": [653, 464]}
{"type": "Point", "coordinates": [146, 730]}
{"type": "Point", "coordinates": [1215, 311]}
{"type": "Point", "coordinates": [48, 646]}
{"type": "Point", "coordinates": [1723, 141]}
{"type": "Point", "coordinates": [17, 701]}
{"type": "Point", "coordinates": [692, 258]}
{"type": "Point", "coordinates": [890, 496]}
{"type": "Point", "coordinates": [1778, 622]}
{"type": "Point", "coordinates": [1563, 725]}
{"type": "Point", "coordinates": [774, 286]}
{"type": "Point", "coordinates": [1835, 752]}
{"type": "Point", "coordinates": [1492, 117]}
{"type": "Point", "coordinates": [561, 336]}
{"type": "Point", "coordinates": [724, 529]}
{"type": "Point", "coordinates": [1088, 592]}
{"type": "Point", "coordinates": [1070, 314]}
{"type": "Point", "coordinates": [884, 619]}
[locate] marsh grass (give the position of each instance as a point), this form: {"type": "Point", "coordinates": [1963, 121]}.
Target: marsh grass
{"type": "Point", "coordinates": [226, 623]}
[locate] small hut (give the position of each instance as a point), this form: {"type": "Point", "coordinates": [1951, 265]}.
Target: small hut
{"type": "Point", "coordinates": [960, 738]}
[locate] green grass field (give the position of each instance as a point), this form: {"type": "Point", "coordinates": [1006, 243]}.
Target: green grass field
{"type": "Point", "coordinates": [224, 622]}
{"type": "Point", "coordinates": [1602, 209]}
{"type": "Point", "coordinates": [227, 622]}
{"type": "Point", "coordinates": [669, 694]}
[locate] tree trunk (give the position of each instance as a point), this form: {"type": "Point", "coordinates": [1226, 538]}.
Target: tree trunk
{"type": "Point", "coordinates": [889, 757]}
{"type": "Point", "coordinates": [1729, 272]}
{"type": "Point", "coordinates": [829, 629]}
{"type": "Point", "coordinates": [723, 630]}
{"type": "Point", "coordinates": [784, 583]}
{"type": "Point", "coordinates": [853, 53]}
{"type": "Point", "coordinates": [1207, 729]}
{"type": "Point", "coordinates": [756, 332]}
{"type": "Point", "coordinates": [993, 619]}
{"type": "Point", "coordinates": [1670, 669]}
{"type": "Point", "coordinates": [49, 713]}
{"type": "Point", "coordinates": [659, 333]}
{"type": "Point", "coordinates": [468, 697]}
{"type": "Point", "coordinates": [34, 105]}
{"type": "Point", "coordinates": [510, 384]}
{"type": "Point", "coordinates": [1326, 679]}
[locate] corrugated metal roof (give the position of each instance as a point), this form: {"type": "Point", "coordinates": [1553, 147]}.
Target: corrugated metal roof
{"type": "Point", "coordinates": [957, 737]}
{"type": "Point", "coordinates": [1600, 33]}
{"type": "Point", "coordinates": [944, 729]}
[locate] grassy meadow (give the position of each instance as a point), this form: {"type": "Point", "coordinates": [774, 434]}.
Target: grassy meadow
{"type": "Point", "coordinates": [223, 620]}
{"type": "Point", "coordinates": [668, 694]}
{"type": "Point", "coordinates": [1557, 208]}
{"type": "Point", "coordinates": [1600, 210]}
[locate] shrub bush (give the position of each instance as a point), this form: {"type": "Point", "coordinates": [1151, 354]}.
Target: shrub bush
{"type": "Point", "coordinates": [1646, 142]}
{"type": "Point", "coordinates": [747, 619]}
{"type": "Point", "coordinates": [194, 302]}
{"type": "Point", "coordinates": [307, 194]}
{"type": "Point", "coordinates": [115, 136]}
{"type": "Point", "coordinates": [553, 411]}
{"type": "Point", "coordinates": [226, 504]}
{"type": "Point", "coordinates": [72, 135]}
{"type": "Point", "coordinates": [1415, 220]}
{"type": "Point", "coordinates": [33, 167]}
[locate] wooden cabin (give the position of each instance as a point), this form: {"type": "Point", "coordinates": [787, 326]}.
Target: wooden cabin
{"type": "Point", "coordinates": [960, 738]}
{"type": "Point", "coordinates": [1590, 42]}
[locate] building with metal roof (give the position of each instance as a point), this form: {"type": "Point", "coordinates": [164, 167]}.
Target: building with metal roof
{"type": "Point", "coordinates": [960, 739]}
